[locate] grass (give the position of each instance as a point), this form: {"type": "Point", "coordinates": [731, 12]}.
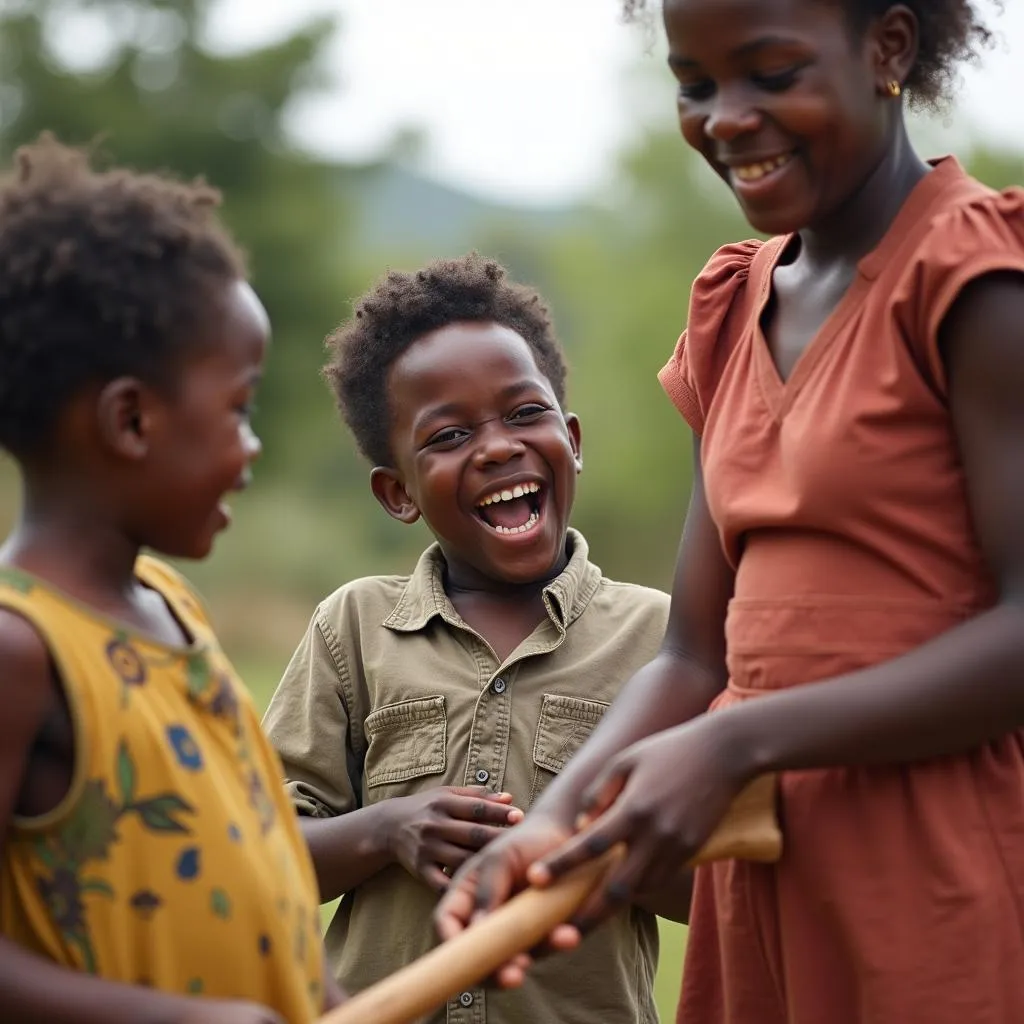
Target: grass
{"type": "Point", "coordinates": [261, 678]}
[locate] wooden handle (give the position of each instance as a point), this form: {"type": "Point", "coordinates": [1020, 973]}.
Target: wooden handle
{"type": "Point", "coordinates": [749, 831]}
{"type": "Point", "coordinates": [474, 954]}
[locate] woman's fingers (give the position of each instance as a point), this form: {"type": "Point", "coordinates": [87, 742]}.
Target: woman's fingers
{"type": "Point", "coordinates": [592, 842]}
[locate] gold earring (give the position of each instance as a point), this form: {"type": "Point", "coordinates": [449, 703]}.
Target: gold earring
{"type": "Point", "coordinates": [895, 88]}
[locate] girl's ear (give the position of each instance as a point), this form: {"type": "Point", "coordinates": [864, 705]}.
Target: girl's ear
{"type": "Point", "coordinates": [388, 489]}
{"type": "Point", "coordinates": [125, 415]}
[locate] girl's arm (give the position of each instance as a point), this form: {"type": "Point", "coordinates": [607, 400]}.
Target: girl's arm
{"type": "Point", "coordinates": [33, 990]}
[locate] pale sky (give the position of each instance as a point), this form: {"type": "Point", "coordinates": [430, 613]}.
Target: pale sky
{"type": "Point", "coordinates": [524, 99]}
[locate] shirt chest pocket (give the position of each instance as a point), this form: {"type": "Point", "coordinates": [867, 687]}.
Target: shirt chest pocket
{"type": "Point", "coordinates": [565, 724]}
{"type": "Point", "coordinates": [405, 741]}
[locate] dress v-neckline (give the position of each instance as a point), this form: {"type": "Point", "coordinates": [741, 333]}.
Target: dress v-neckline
{"type": "Point", "coordinates": [779, 393]}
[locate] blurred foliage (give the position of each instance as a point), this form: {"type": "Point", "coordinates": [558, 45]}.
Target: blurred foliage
{"type": "Point", "coordinates": [616, 271]}
{"type": "Point", "coordinates": [154, 97]}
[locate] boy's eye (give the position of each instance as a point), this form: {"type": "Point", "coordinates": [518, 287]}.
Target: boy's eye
{"type": "Point", "coordinates": [776, 81]}
{"type": "Point", "coordinates": [246, 410]}
{"type": "Point", "coordinates": [448, 436]}
{"type": "Point", "coordinates": [530, 411]}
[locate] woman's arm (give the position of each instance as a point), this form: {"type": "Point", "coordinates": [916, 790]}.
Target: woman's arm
{"type": "Point", "coordinates": [680, 683]}
{"type": "Point", "coordinates": [667, 793]}
{"type": "Point", "coordinates": [685, 676]}
{"type": "Point", "coordinates": [966, 686]}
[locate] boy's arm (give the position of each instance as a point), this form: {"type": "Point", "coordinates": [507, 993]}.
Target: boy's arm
{"type": "Point", "coordinates": [308, 722]}
{"type": "Point", "coordinates": [347, 850]}
{"type": "Point", "coordinates": [33, 990]}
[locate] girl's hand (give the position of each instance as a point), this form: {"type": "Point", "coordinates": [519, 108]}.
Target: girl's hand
{"type": "Point", "coordinates": [663, 797]}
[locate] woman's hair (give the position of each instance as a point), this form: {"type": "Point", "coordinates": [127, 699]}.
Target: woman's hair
{"type": "Point", "coordinates": [950, 33]}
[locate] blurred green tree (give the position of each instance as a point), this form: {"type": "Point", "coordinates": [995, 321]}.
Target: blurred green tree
{"type": "Point", "coordinates": [138, 78]}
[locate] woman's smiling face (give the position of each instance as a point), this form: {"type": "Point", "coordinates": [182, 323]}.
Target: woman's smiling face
{"type": "Point", "coordinates": [781, 98]}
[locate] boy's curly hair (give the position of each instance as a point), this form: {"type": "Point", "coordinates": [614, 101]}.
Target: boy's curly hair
{"type": "Point", "coordinates": [951, 32]}
{"type": "Point", "coordinates": [401, 308]}
{"type": "Point", "coordinates": [102, 274]}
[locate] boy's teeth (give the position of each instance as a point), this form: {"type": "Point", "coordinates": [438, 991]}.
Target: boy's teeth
{"type": "Point", "coordinates": [753, 172]}
{"type": "Point", "coordinates": [519, 491]}
{"type": "Point", "coordinates": [528, 525]}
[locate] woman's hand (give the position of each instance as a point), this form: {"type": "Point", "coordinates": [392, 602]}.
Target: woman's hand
{"type": "Point", "coordinates": [663, 797]}
{"type": "Point", "coordinates": [493, 876]}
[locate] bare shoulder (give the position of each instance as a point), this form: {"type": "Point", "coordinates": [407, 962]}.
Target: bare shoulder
{"type": "Point", "coordinates": [983, 333]}
{"type": "Point", "coordinates": [26, 680]}
{"type": "Point", "coordinates": [983, 344]}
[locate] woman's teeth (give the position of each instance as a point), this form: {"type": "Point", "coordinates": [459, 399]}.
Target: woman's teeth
{"type": "Point", "coordinates": [754, 172]}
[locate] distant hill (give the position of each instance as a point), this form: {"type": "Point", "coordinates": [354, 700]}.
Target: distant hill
{"type": "Point", "coordinates": [400, 210]}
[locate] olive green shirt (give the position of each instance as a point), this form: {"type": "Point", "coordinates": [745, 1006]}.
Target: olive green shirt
{"type": "Point", "coordinates": [391, 692]}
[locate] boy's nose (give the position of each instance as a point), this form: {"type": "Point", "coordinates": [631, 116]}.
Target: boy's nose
{"type": "Point", "coordinates": [497, 446]}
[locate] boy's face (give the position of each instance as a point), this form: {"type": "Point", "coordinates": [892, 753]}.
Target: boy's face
{"type": "Point", "coordinates": [483, 452]}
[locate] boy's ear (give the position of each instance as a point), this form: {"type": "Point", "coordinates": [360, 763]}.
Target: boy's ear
{"type": "Point", "coordinates": [389, 490]}
{"type": "Point", "coordinates": [124, 414]}
{"type": "Point", "coordinates": [572, 424]}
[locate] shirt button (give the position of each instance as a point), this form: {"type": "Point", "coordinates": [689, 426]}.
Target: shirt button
{"type": "Point", "coordinates": [482, 775]}
{"type": "Point", "coordinates": [498, 686]}
{"type": "Point", "coordinates": [466, 999]}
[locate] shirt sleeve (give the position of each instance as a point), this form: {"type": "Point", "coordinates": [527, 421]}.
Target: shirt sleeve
{"type": "Point", "coordinates": [980, 237]}
{"type": "Point", "coordinates": [308, 723]}
{"type": "Point", "coordinates": [690, 377]}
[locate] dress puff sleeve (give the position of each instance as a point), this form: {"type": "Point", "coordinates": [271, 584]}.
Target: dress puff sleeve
{"type": "Point", "coordinates": [691, 376]}
{"type": "Point", "coordinates": [979, 236]}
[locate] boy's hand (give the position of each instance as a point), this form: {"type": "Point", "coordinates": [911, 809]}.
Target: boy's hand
{"type": "Point", "coordinates": [218, 1011]}
{"type": "Point", "coordinates": [432, 834]}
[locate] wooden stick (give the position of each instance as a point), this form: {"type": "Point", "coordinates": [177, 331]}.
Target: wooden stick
{"type": "Point", "coordinates": [749, 831]}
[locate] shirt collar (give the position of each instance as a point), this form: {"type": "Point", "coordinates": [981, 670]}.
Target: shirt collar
{"type": "Point", "coordinates": [424, 597]}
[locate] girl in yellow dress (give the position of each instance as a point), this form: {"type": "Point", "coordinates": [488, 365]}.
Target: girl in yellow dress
{"type": "Point", "coordinates": [150, 867]}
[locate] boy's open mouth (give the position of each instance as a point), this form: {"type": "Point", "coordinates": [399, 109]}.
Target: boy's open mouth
{"type": "Point", "coordinates": [514, 510]}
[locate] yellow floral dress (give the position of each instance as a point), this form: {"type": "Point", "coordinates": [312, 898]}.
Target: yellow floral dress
{"type": "Point", "coordinates": [175, 860]}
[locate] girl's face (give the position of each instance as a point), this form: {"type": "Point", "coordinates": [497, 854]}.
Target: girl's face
{"type": "Point", "coordinates": [783, 101]}
{"type": "Point", "coordinates": [201, 444]}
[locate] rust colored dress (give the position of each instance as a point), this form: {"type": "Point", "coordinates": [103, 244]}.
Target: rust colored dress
{"type": "Point", "coordinates": [841, 503]}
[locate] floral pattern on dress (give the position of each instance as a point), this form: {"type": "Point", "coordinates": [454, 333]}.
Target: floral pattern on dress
{"type": "Point", "coordinates": [86, 836]}
{"type": "Point", "coordinates": [185, 748]}
{"type": "Point", "coordinates": [16, 579]}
